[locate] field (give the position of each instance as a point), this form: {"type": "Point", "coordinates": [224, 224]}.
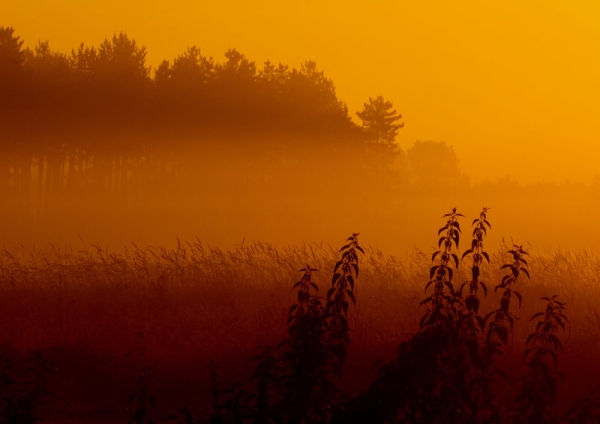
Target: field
{"type": "Point", "coordinates": [81, 327]}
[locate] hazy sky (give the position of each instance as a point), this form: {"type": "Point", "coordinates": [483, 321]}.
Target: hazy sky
{"type": "Point", "coordinates": [514, 86]}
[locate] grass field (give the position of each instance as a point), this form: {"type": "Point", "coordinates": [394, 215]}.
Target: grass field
{"type": "Point", "coordinates": [100, 317]}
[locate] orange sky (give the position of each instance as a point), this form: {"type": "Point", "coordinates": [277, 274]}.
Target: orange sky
{"type": "Point", "coordinates": [513, 86]}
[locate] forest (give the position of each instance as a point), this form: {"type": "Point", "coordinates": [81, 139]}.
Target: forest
{"type": "Point", "coordinates": [168, 254]}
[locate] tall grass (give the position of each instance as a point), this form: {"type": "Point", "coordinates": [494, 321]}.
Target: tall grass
{"type": "Point", "coordinates": [177, 310]}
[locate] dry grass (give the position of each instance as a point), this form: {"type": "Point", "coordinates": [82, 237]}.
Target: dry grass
{"type": "Point", "coordinates": [178, 309]}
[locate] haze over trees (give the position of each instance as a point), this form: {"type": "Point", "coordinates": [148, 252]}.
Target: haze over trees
{"type": "Point", "coordinates": [97, 135]}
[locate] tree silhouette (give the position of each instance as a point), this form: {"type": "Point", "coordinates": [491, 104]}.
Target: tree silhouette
{"type": "Point", "coordinates": [94, 125]}
{"type": "Point", "coordinates": [83, 61]}
{"type": "Point", "coordinates": [12, 55]}
{"type": "Point", "coordinates": [50, 70]}
{"type": "Point", "coordinates": [121, 60]}
{"type": "Point", "coordinates": [190, 72]}
{"type": "Point", "coordinates": [381, 128]}
{"type": "Point", "coordinates": [434, 163]}
{"type": "Point", "coordinates": [379, 120]}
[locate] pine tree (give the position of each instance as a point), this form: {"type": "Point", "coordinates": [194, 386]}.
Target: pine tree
{"type": "Point", "coordinates": [381, 128]}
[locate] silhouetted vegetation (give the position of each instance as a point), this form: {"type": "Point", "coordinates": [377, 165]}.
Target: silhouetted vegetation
{"type": "Point", "coordinates": [166, 310]}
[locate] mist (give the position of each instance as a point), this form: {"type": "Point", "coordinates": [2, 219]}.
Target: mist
{"type": "Point", "coordinates": [98, 149]}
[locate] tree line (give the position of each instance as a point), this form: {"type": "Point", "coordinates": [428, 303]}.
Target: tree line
{"type": "Point", "coordinates": [101, 120]}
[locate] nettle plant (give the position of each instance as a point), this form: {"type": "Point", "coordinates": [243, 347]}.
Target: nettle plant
{"type": "Point", "coordinates": [446, 372]}
{"type": "Point", "coordinates": [296, 384]}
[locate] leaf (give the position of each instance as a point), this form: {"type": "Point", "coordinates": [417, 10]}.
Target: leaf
{"type": "Point", "coordinates": [351, 296]}
{"type": "Point", "coordinates": [527, 351]}
{"type": "Point", "coordinates": [519, 297]}
{"type": "Point", "coordinates": [344, 247]}
{"type": "Point", "coordinates": [486, 256]}
{"type": "Point", "coordinates": [449, 285]}
{"type": "Point", "coordinates": [355, 266]}
{"type": "Point", "coordinates": [360, 249]}
{"type": "Point", "coordinates": [432, 271]}
{"type": "Point", "coordinates": [536, 315]}
{"type": "Point", "coordinates": [351, 281]}
{"type": "Point", "coordinates": [466, 253]}
{"type": "Point", "coordinates": [441, 241]}
{"type": "Point", "coordinates": [455, 259]}
{"type": "Point", "coordinates": [337, 265]}
{"type": "Point", "coordinates": [511, 321]}
{"type": "Point", "coordinates": [314, 286]}
{"type": "Point", "coordinates": [484, 288]}
{"type": "Point", "coordinates": [423, 319]}
{"type": "Point", "coordinates": [526, 272]}
{"type": "Point", "coordinates": [329, 304]}
{"type": "Point", "coordinates": [426, 300]}
{"type": "Point", "coordinates": [428, 284]}
{"type": "Point", "coordinates": [335, 277]}
{"type": "Point", "coordinates": [502, 333]}
{"type": "Point", "coordinates": [330, 291]}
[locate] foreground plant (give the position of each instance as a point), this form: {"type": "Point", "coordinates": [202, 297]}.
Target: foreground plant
{"type": "Point", "coordinates": [342, 289]}
{"type": "Point", "coordinates": [298, 385]}
{"type": "Point", "coordinates": [317, 343]}
{"type": "Point", "coordinates": [536, 401]}
{"type": "Point", "coordinates": [442, 303]}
